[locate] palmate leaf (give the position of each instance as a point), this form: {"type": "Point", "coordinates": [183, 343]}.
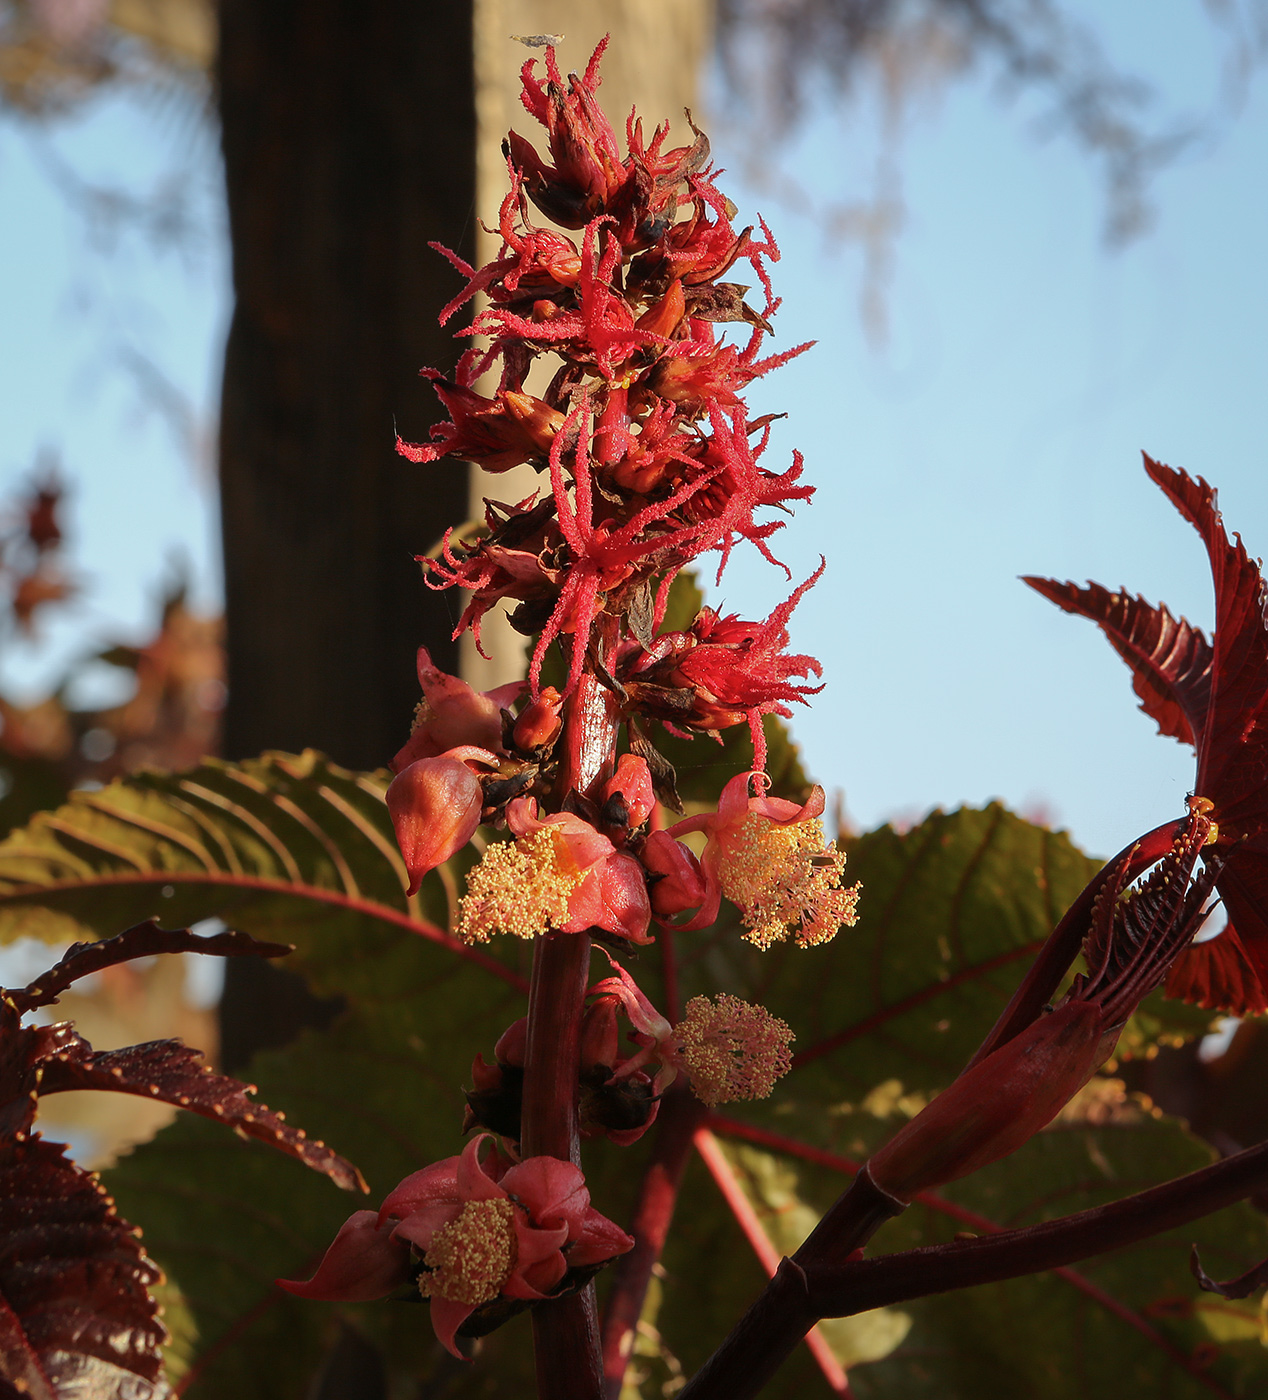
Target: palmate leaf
{"type": "Point", "coordinates": [1170, 659]}
{"type": "Point", "coordinates": [77, 1317]}
{"type": "Point", "coordinates": [286, 845]}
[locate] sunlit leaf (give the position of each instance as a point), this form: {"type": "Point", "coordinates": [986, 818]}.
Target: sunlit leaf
{"type": "Point", "coordinates": [287, 846]}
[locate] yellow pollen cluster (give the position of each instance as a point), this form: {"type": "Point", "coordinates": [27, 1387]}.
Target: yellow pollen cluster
{"type": "Point", "coordinates": [473, 1256]}
{"type": "Point", "coordinates": [732, 1050]}
{"type": "Point", "coordinates": [518, 887]}
{"type": "Point", "coordinates": [786, 881]}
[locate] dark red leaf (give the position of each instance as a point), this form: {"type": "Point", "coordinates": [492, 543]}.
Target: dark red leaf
{"type": "Point", "coordinates": [1218, 975]}
{"type": "Point", "coordinates": [22, 1374]}
{"type": "Point", "coordinates": [77, 1317]}
{"type": "Point", "coordinates": [170, 1072]}
{"type": "Point", "coordinates": [1233, 746]}
{"type": "Point", "coordinates": [1218, 693]}
{"type": "Point", "coordinates": [142, 941]}
{"type": "Point", "coordinates": [1241, 1287]}
{"type": "Point", "coordinates": [1170, 660]}
{"type": "Point", "coordinates": [23, 1052]}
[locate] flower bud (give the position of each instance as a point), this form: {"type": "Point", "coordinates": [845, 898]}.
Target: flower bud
{"type": "Point", "coordinates": [512, 1046]}
{"type": "Point", "coordinates": [364, 1262]}
{"type": "Point", "coordinates": [682, 882]}
{"type": "Point", "coordinates": [632, 781]}
{"type": "Point", "coordinates": [601, 1035]}
{"type": "Point", "coordinates": [620, 1110]}
{"type": "Point", "coordinates": [993, 1108]}
{"type": "Point", "coordinates": [453, 714]}
{"type": "Point", "coordinates": [435, 808]}
{"type": "Point", "coordinates": [539, 721]}
{"type": "Point", "coordinates": [496, 1097]}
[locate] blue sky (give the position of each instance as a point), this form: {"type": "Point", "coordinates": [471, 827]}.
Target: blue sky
{"type": "Point", "coordinates": [995, 432]}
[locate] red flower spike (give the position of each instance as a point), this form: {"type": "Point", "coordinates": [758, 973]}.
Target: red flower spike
{"type": "Point", "coordinates": [435, 806]}
{"type": "Point", "coordinates": [1213, 695]}
{"type": "Point", "coordinates": [485, 1230]}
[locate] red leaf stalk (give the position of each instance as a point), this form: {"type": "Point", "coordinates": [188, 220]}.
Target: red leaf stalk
{"type": "Point", "coordinates": [680, 1115]}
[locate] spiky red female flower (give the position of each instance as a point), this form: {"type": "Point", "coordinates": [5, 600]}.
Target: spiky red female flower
{"type": "Point", "coordinates": [497, 433]}
{"type": "Point", "coordinates": [734, 671]}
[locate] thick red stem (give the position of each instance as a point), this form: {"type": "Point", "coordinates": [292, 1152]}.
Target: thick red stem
{"type": "Point", "coordinates": [566, 1331]}
{"type": "Point", "coordinates": [893, 1278]}
{"type": "Point", "coordinates": [782, 1315]}
{"type": "Point", "coordinates": [680, 1115]}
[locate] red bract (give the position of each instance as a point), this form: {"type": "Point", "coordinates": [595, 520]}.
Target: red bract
{"type": "Point", "coordinates": [451, 715]}
{"type": "Point", "coordinates": [435, 806]}
{"type": "Point", "coordinates": [1212, 695]}
{"type": "Point", "coordinates": [484, 1230]}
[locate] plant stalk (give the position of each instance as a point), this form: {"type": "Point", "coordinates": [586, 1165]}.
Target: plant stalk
{"type": "Point", "coordinates": [566, 1330]}
{"type": "Point", "coordinates": [680, 1114]}
{"type": "Point", "coordinates": [782, 1315]}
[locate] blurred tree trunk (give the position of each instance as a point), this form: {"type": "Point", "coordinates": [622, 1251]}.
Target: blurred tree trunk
{"type": "Point", "coordinates": [349, 142]}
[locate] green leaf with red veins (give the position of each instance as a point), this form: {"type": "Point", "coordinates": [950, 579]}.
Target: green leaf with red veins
{"type": "Point", "coordinates": [287, 845]}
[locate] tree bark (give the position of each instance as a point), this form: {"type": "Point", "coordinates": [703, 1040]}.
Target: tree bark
{"type": "Point", "coordinates": [349, 143]}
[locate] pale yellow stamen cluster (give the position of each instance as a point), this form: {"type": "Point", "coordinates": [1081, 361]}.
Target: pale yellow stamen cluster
{"type": "Point", "coordinates": [518, 887]}
{"type": "Point", "coordinates": [732, 1050]}
{"type": "Point", "coordinates": [473, 1256]}
{"type": "Point", "coordinates": [786, 881]}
